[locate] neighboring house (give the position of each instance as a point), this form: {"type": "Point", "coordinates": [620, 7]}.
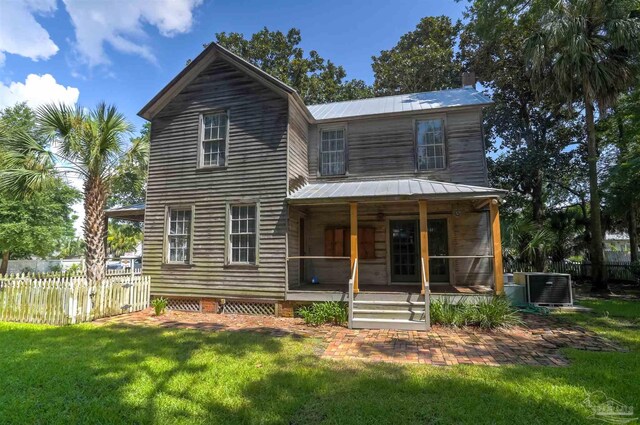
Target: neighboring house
{"type": "Point", "coordinates": [253, 195]}
{"type": "Point", "coordinates": [617, 247]}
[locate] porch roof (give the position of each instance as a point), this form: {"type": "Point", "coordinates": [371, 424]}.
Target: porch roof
{"type": "Point", "coordinates": [133, 212]}
{"type": "Point", "coordinates": [391, 189]}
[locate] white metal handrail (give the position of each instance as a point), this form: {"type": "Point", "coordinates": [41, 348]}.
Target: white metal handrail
{"type": "Point", "coordinates": [351, 295]}
{"type": "Point", "coordinates": [427, 298]}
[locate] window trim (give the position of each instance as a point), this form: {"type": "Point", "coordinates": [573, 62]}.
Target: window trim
{"type": "Point", "coordinates": [330, 127]}
{"type": "Point", "coordinates": [445, 142]}
{"type": "Point", "coordinates": [200, 156]}
{"type": "Point", "coordinates": [167, 224]}
{"type": "Point", "coordinates": [227, 239]}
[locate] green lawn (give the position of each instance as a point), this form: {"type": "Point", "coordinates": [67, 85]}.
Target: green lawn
{"type": "Point", "coordinates": [105, 375]}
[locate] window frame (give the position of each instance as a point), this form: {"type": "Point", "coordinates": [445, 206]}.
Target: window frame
{"type": "Point", "coordinates": [228, 233]}
{"type": "Point", "coordinates": [333, 127]}
{"type": "Point", "coordinates": [201, 140]}
{"type": "Point", "coordinates": [445, 144]}
{"type": "Point", "coordinates": [166, 255]}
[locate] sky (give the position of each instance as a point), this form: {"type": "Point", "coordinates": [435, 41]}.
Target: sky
{"type": "Point", "coordinates": [124, 51]}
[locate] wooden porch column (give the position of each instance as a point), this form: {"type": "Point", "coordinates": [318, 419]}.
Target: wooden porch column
{"type": "Point", "coordinates": [424, 243]}
{"type": "Point", "coordinates": [498, 272]}
{"type": "Point", "coordinates": [354, 242]}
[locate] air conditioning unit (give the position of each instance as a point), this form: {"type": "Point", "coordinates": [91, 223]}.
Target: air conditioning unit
{"type": "Point", "coordinates": [548, 289]}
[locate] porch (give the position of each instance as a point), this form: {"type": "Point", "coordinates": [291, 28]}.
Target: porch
{"type": "Point", "coordinates": [406, 240]}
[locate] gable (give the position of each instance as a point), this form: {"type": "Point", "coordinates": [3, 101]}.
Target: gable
{"type": "Point", "coordinates": [212, 53]}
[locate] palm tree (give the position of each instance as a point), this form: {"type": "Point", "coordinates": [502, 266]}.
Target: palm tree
{"type": "Point", "coordinates": [84, 144]}
{"type": "Point", "coordinates": [587, 51]}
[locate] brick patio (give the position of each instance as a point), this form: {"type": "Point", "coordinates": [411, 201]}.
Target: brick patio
{"type": "Point", "coordinates": [538, 343]}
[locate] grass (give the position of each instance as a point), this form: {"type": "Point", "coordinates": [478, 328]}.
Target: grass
{"type": "Point", "coordinates": [111, 374]}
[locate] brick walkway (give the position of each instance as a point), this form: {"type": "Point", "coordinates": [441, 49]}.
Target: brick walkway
{"type": "Point", "coordinates": [536, 344]}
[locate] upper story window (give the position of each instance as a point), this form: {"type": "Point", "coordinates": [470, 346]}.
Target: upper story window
{"type": "Point", "coordinates": [243, 234]}
{"type": "Point", "coordinates": [213, 146]}
{"type": "Point", "coordinates": [332, 152]}
{"type": "Point", "coordinates": [179, 235]}
{"type": "Point", "coordinates": [430, 146]}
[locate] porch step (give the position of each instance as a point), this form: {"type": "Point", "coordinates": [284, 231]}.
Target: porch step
{"type": "Point", "coordinates": [399, 324]}
{"type": "Point", "coordinates": [389, 314]}
{"type": "Point", "coordinates": [388, 305]}
{"type": "Point", "coordinates": [389, 296]}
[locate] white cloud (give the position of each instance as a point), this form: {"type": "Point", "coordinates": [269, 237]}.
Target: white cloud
{"type": "Point", "coordinates": [21, 34]}
{"type": "Point", "coordinates": [121, 25]}
{"type": "Point", "coordinates": [37, 90]}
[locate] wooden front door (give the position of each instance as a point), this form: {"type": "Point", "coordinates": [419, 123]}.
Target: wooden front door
{"type": "Point", "coordinates": [405, 250]}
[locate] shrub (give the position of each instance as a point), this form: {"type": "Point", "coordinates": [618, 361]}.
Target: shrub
{"type": "Point", "coordinates": [159, 305]}
{"type": "Point", "coordinates": [74, 269]}
{"type": "Point", "coordinates": [56, 268]}
{"type": "Point", "coordinates": [490, 314]}
{"type": "Point", "coordinates": [327, 312]}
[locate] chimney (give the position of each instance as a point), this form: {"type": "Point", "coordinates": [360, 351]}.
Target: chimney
{"type": "Point", "coordinates": [469, 79]}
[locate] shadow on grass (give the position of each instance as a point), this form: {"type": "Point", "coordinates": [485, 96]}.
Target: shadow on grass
{"type": "Point", "coordinates": [118, 374]}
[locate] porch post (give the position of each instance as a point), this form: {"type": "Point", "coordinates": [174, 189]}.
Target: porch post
{"type": "Point", "coordinates": [424, 244]}
{"type": "Point", "coordinates": [498, 272]}
{"type": "Point", "coordinates": [354, 242]}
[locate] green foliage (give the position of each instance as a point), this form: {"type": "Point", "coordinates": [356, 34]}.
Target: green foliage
{"type": "Point", "coordinates": [56, 268]}
{"type": "Point", "coordinates": [316, 80]}
{"type": "Point", "coordinates": [74, 269]}
{"type": "Point", "coordinates": [487, 314]}
{"type": "Point", "coordinates": [159, 305]}
{"type": "Point", "coordinates": [325, 312]}
{"type": "Point", "coordinates": [123, 237]}
{"type": "Point", "coordinates": [423, 59]}
{"type": "Point", "coordinates": [129, 184]}
{"type": "Point", "coordinates": [37, 225]}
{"type": "Point", "coordinates": [71, 247]}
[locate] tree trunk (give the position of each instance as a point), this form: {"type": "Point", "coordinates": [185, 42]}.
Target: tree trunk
{"type": "Point", "coordinates": [633, 231]}
{"type": "Point", "coordinates": [95, 200]}
{"type": "Point", "coordinates": [598, 283]}
{"type": "Point", "coordinates": [539, 260]}
{"type": "Point", "coordinates": [5, 263]}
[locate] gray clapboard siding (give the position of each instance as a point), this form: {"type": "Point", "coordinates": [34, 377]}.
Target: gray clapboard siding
{"type": "Point", "coordinates": [298, 174]}
{"type": "Point", "coordinates": [468, 235]}
{"type": "Point", "coordinates": [386, 147]}
{"type": "Point", "coordinates": [256, 170]}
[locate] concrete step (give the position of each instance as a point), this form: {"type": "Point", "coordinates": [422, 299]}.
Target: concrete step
{"type": "Point", "coordinates": [398, 324]}
{"type": "Point", "coordinates": [413, 314]}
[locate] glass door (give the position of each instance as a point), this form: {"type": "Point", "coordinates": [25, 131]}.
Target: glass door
{"type": "Point", "coordinates": [405, 250]}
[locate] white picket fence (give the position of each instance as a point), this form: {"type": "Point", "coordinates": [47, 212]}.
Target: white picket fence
{"type": "Point", "coordinates": [69, 300]}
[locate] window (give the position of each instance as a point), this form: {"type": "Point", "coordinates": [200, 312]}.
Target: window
{"type": "Point", "coordinates": [430, 145]}
{"type": "Point", "coordinates": [242, 237]}
{"type": "Point", "coordinates": [332, 148]}
{"type": "Point", "coordinates": [179, 235]}
{"type": "Point", "coordinates": [214, 140]}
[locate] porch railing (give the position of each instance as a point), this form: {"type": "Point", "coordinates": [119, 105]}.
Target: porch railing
{"type": "Point", "coordinates": [351, 294]}
{"type": "Point", "coordinates": [427, 297]}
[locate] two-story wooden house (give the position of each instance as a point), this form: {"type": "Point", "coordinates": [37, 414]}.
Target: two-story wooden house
{"type": "Point", "coordinates": [257, 201]}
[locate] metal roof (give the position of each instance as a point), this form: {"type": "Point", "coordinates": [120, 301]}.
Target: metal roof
{"type": "Point", "coordinates": [133, 212]}
{"type": "Point", "coordinates": [391, 188]}
{"type": "Point", "coordinates": [400, 103]}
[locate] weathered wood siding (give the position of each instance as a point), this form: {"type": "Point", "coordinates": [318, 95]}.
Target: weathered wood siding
{"type": "Point", "coordinates": [256, 170]}
{"type": "Point", "coordinates": [386, 147]}
{"type": "Point", "coordinates": [468, 235]}
{"type": "Point", "coordinates": [298, 174]}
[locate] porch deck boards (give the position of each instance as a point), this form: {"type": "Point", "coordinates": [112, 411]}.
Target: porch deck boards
{"type": "Point", "coordinates": [412, 289]}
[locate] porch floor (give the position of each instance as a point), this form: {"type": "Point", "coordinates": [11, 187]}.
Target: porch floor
{"type": "Point", "coordinates": [411, 289]}
{"type": "Point", "coordinates": [337, 292]}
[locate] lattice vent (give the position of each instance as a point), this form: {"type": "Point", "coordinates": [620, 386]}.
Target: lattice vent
{"type": "Point", "coordinates": [243, 307]}
{"type": "Point", "coordinates": [184, 304]}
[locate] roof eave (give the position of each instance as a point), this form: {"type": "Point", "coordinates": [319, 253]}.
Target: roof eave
{"type": "Point", "coordinates": [498, 193]}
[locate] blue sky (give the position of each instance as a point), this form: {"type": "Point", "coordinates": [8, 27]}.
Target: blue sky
{"type": "Point", "coordinates": [123, 52]}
